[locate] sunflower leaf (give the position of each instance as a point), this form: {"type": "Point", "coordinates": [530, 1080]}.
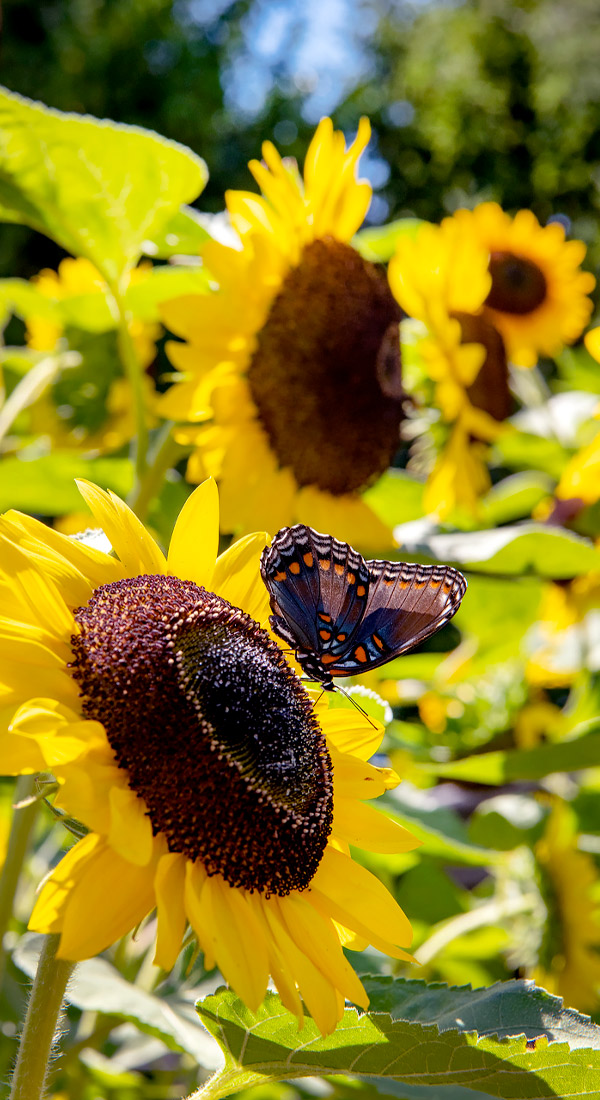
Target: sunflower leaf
{"type": "Point", "coordinates": [513, 1039]}
{"type": "Point", "coordinates": [45, 486]}
{"type": "Point", "coordinates": [97, 188]}
{"type": "Point", "coordinates": [498, 768]}
{"type": "Point", "coordinates": [517, 549]}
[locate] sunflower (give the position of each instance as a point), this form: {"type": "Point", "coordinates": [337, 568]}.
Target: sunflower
{"type": "Point", "coordinates": [569, 962]}
{"type": "Point", "coordinates": [213, 789]}
{"type": "Point", "coordinates": [538, 295]}
{"type": "Point", "coordinates": [291, 369]}
{"type": "Point", "coordinates": [440, 278]}
{"type": "Point", "coordinates": [89, 406]}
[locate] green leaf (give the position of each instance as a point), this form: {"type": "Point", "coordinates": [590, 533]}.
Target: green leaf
{"type": "Point", "coordinates": [442, 832]}
{"type": "Point", "coordinates": [144, 298]}
{"type": "Point", "coordinates": [96, 986]}
{"type": "Point", "coordinates": [515, 497]}
{"type": "Point", "coordinates": [378, 243]}
{"type": "Point", "coordinates": [185, 234]}
{"type": "Point", "coordinates": [419, 1034]}
{"type": "Point", "coordinates": [522, 451]}
{"type": "Point", "coordinates": [526, 548]}
{"type": "Point", "coordinates": [97, 188]}
{"type": "Point", "coordinates": [497, 768]}
{"type": "Point", "coordinates": [46, 486]}
{"type": "Point", "coordinates": [21, 297]}
{"type": "Point", "coordinates": [396, 497]}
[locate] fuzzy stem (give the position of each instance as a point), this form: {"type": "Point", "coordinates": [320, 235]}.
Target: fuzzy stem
{"type": "Point", "coordinates": [18, 844]}
{"type": "Point", "coordinates": [41, 1021]}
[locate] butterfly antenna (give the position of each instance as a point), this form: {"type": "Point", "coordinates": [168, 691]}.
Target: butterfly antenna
{"type": "Point", "coordinates": [355, 704]}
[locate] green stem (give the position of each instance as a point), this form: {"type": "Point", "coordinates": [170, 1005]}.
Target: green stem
{"type": "Point", "coordinates": [165, 455]}
{"type": "Point", "coordinates": [18, 844]}
{"type": "Point", "coordinates": [135, 377]}
{"type": "Point", "coordinates": [41, 1022]}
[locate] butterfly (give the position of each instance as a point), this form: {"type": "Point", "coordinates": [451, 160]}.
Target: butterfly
{"type": "Point", "coordinates": [342, 614]}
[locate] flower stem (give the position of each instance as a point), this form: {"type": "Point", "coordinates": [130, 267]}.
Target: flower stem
{"type": "Point", "coordinates": [135, 377]}
{"type": "Point", "coordinates": [164, 456]}
{"type": "Point", "coordinates": [18, 844]}
{"type": "Point", "coordinates": [41, 1022]}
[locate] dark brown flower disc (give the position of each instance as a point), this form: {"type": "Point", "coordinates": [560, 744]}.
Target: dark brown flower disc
{"type": "Point", "coordinates": [325, 375]}
{"type": "Point", "coordinates": [212, 726]}
{"type": "Point", "coordinates": [489, 389]}
{"type": "Point", "coordinates": [518, 284]}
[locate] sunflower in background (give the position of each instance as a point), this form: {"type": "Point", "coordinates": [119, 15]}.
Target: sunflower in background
{"type": "Point", "coordinates": [291, 369]}
{"type": "Point", "coordinates": [212, 785]}
{"type": "Point", "coordinates": [88, 407]}
{"type": "Point", "coordinates": [569, 963]}
{"type": "Point", "coordinates": [538, 295]}
{"type": "Point", "coordinates": [440, 278]}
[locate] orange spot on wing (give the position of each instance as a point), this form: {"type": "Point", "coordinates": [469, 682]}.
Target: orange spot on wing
{"type": "Point", "coordinates": [341, 637]}
{"type": "Point", "coordinates": [325, 635]}
{"type": "Point", "coordinates": [324, 564]}
{"type": "Point", "coordinates": [295, 567]}
{"type": "Point", "coordinates": [351, 578]}
{"type": "Point", "coordinates": [447, 586]}
{"type": "Point", "coordinates": [324, 617]}
{"type": "Point", "coordinates": [360, 591]}
{"type": "Point", "coordinates": [420, 584]}
{"type": "Point", "coordinates": [328, 658]}
{"type": "Point", "coordinates": [280, 576]}
{"type": "Point", "coordinates": [338, 568]}
{"type": "Point", "coordinates": [378, 641]}
{"type": "Point", "coordinates": [360, 654]}
{"type": "Point", "coordinates": [308, 560]}
{"type": "Point", "coordinates": [404, 584]}
{"type": "Point", "coordinates": [388, 580]}
{"type": "Point", "coordinates": [434, 584]}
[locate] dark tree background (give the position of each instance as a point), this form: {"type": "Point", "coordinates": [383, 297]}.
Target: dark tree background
{"type": "Point", "coordinates": [481, 99]}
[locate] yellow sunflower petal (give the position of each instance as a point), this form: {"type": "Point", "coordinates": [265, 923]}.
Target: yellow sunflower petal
{"type": "Point", "coordinates": [169, 885]}
{"type": "Point", "coordinates": [237, 576]}
{"type": "Point", "coordinates": [104, 898]}
{"type": "Point", "coordinates": [129, 538]}
{"type": "Point", "coordinates": [130, 827]}
{"type": "Point", "coordinates": [320, 996]}
{"type": "Point", "coordinates": [354, 779]}
{"type": "Point", "coordinates": [322, 945]}
{"type": "Point", "coordinates": [45, 604]}
{"type": "Point", "coordinates": [359, 900]}
{"type": "Point", "coordinates": [366, 827]}
{"type": "Point", "coordinates": [195, 539]}
{"type": "Point", "coordinates": [352, 733]}
{"type": "Point", "coordinates": [238, 941]}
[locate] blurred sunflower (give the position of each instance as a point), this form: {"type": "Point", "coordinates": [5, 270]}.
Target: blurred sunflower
{"type": "Point", "coordinates": [561, 643]}
{"type": "Point", "coordinates": [213, 788]}
{"type": "Point", "coordinates": [440, 278]}
{"type": "Point", "coordinates": [537, 300]}
{"type": "Point", "coordinates": [293, 365]}
{"type": "Point", "coordinates": [569, 963]}
{"type": "Point", "coordinates": [89, 406]}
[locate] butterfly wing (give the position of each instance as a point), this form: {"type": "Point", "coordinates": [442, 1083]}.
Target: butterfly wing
{"type": "Point", "coordinates": [318, 587]}
{"type": "Point", "coordinates": [407, 603]}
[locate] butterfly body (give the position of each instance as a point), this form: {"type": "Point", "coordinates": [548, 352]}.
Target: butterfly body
{"type": "Point", "coordinates": [343, 615]}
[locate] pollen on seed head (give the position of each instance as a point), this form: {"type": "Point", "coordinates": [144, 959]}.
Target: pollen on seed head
{"type": "Point", "coordinates": [212, 726]}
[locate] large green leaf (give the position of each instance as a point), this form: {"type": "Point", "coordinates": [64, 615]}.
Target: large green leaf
{"type": "Point", "coordinates": [518, 549]}
{"type": "Point", "coordinates": [515, 497]}
{"type": "Point", "coordinates": [46, 486]}
{"type": "Point", "coordinates": [98, 188]}
{"type": "Point", "coordinates": [501, 767]}
{"type": "Point", "coordinates": [96, 986]}
{"type": "Point", "coordinates": [441, 831]}
{"type": "Point", "coordinates": [397, 497]}
{"type": "Point", "coordinates": [501, 1041]}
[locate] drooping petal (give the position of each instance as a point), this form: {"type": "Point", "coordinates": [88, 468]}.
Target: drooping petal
{"type": "Point", "coordinates": [169, 884]}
